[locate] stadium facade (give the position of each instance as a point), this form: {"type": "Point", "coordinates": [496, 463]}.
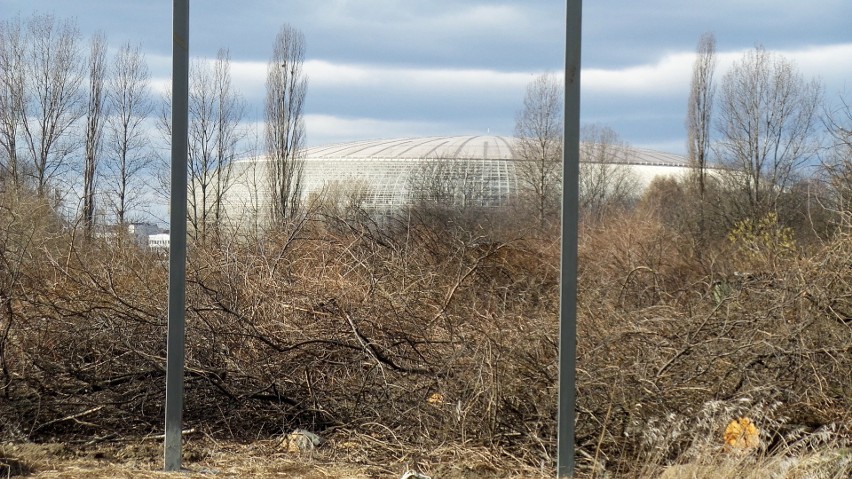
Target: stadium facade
{"type": "Point", "coordinates": [391, 174]}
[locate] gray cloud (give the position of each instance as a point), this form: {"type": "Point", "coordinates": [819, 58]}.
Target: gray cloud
{"type": "Point", "coordinates": [379, 68]}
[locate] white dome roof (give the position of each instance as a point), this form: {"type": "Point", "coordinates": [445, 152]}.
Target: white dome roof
{"type": "Point", "coordinates": [392, 173]}
{"type": "Point", "coordinates": [443, 147]}
{"type": "Point", "coordinates": [484, 147]}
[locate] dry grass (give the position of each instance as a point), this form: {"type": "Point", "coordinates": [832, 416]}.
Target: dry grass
{"type": "Point", "coordinates": [145, 461]}
{"type": "Point", "coordinates": [265, 459]}
{"type": "Point", "coordinates": [830, 464]}
{"type": "Point", "coordinates": [426, 346]}
{"type": "Point", "coordinates": [260, 459]}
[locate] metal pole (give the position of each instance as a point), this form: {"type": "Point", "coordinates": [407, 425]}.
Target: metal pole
{"type": "Point", "coordinates": [177, 237]}
{"type": "Point", "coordinates": [568, 267]}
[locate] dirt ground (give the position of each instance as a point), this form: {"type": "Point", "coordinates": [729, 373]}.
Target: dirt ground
{"type": "Point", "coordinates": [209, 459]}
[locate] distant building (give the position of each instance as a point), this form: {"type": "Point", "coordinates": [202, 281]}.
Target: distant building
{"type": "Point", "coordinates": [136, 232]}
{"type": "Point", "coordinates": [389, 174]}
{"type": "Point", "coordinates": [141, 231]}
{"type": "Point", "coordinates": [159, 241]}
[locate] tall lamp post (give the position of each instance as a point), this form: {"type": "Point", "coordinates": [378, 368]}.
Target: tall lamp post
{"type": "Point", "coordinates": [177, 238]}
{"type": "Point", "coordinates": [568, 266]}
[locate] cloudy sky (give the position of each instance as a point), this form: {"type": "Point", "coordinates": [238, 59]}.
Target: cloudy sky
{"type": "Point", "coordinates": [389, 68]}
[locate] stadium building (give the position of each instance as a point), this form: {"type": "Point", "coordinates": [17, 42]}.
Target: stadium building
{"type": "Point", "coordinates": [390, 174]}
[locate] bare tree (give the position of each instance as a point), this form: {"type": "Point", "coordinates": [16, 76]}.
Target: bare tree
{"type": "Point", "coordinates": [606, 180]}
{"type": "Point", "coordinates": [11, 98]}
{"type": "Point", "coordinates": [538, 134]}
{"type": "Point", "coordinates": [215, 111]}
{"type": "Point", "coordinates": [768, 114]}
{"type": "Point", "coordinates": [52, 100]}
{"type": "Point", "coordinates": [700, 107]}
{"type": "Point", "coordinates": [201, 147]}
{"type": "Point", "coordinates": [230, 109]}
{"type": "Point", "coordinates": [286, 86]}
{"type": "Point", "coordinates": [128, 92]}
{"type": "Point", "coordinates": [94, 127]}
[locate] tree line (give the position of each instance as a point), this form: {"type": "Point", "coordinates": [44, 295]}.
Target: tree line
{"type": "Point", "coordinates": [77, 120]}
{"type": "Point", "coordinates": [77, 123]}
{"type": "Point", "coordinates": [762, 140]}
{"type": "Point", "coordinates": [765, 142]}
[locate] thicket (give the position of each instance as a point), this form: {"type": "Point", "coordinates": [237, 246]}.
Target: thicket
{"type": "Point", "coordinates": [421, 333]}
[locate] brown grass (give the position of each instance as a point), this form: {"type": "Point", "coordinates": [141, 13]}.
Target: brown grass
{"type": "Point", "coordinates": [427, 346]}
{"type": "Point", "coordinates": [145, 461]}
{"type": "Point", "coordinates": [261, 459]}
{"type": "Point", "coordinates": [266, 459]}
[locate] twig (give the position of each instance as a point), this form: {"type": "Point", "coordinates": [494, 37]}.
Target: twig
{"type": "Point", "coordinates": [73, 417]}
{"type": "Point", "coordinates": [160, 437]}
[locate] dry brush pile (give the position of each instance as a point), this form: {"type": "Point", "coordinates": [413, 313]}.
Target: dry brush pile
{"type": "Point", "coordinates": [675, 342]}
{"type": "Point", "coordinates": [420, 337]}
